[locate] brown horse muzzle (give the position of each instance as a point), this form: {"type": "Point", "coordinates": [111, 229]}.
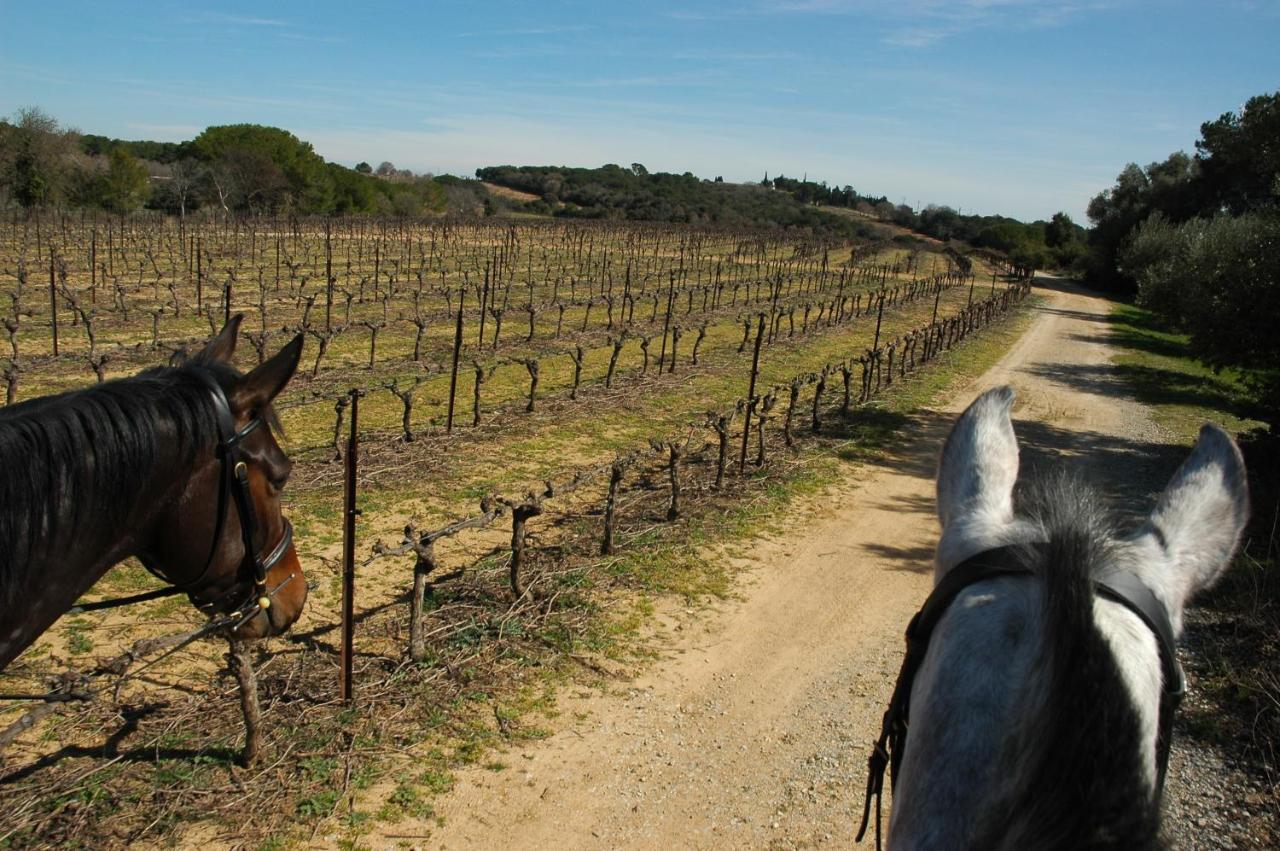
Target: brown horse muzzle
{"type": "Point", "coordinates": [288, 589]}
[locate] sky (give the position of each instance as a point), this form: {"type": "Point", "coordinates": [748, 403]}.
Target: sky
{"type": "Point", "coordinates": [1016, 107]}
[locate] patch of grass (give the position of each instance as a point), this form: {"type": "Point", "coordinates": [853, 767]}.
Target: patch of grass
{"type": "Point", "coordinates": [319, 805]}
{"type": "Point", "coordinates": [78, 640]}
{"type": "Point", "coordinates": [1183, 392]}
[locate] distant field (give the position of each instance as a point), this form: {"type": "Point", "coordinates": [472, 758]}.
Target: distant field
{"type": "Point", "coordinates": [507, 192]}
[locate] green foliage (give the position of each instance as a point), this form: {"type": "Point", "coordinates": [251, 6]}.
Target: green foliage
{"type": "Point", "coordinates": [1236, 169]}
{"type": "Point", "coordinates": [264, 168]}
{"type": "Point", "coordinates": [34, 155]}
{"type": "Point", "coordinates": [1061, 231]}
{"type": "Point", "coordinates": [156, 152]}
{"type": "Point", "coordinates": [1219, 278]}
{"type": "Point", "coordinates": [239, 168]}
{"type": "Point", "coordinates": [124, 185]}
{"type": "Point", "coordinates": [1240, 156]}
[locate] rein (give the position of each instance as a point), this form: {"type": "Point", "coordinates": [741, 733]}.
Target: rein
{"type": "Point", "coordinates": [1124, 589]}
{"type": "Point", "coordinates": [230, 621]}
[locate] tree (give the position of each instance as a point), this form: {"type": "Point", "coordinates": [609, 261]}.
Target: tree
{"type": "Point", "coordinates": [184, 178]}
{"type": "Point", "coordinates": [125, 185]}
{"type": "Point", "coordinates": [1060, 231]}
{"type": "Point", "coordinates": [34, 152]}
{"type": "Point", "coordinates": [1219, 279]}
{"type": "Point", "coordinates": [386, 169]}
{"type": "Point", "coordinates": [364, 168]}
{"type": "Point", "coordinates": [1240, 157]}
{"type": "Point", "coordinates": [256, 167]}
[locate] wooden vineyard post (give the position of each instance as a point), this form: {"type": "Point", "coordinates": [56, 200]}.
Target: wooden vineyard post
{"type": "Point", "coordinates": [349, 554]}
{"type": "Point", "coordinates": [937, 297]}
{"type": "Point", "coordinates": [53, 303]}
{"type": "Point", "coordinates": [611, 507]}
{"type": "Point", "coordinates": [751, 394]}
{"type": "Point", "coordinates": [457, 352]}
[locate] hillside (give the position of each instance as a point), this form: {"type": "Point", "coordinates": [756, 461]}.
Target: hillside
{"type": "Point", "coordinates": [614, 192]}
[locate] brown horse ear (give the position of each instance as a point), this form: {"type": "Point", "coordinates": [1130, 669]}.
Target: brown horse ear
{"type": "Point", "coordinates": [258, 388]}
{"type": "Point", "coordinates": [222, 347]}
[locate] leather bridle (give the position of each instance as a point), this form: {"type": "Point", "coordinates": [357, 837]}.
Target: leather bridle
{"type": "Point", "coordinates": [1124, 589]}
{"type": "Point", "coordinates": [234, 479]}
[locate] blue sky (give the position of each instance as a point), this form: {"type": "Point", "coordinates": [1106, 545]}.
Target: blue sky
{"type": "Point", "coordinates": [1020, 107]}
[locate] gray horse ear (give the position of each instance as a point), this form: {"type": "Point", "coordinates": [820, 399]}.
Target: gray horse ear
{"type": "Point", "coordinates": [979, 464]}
{"type": "Point", "coordinates": [1200, 516]}
{"type": "Point", "coordinates": [264, 383]}
{"type": "Point", "coordinates": [222, 347]}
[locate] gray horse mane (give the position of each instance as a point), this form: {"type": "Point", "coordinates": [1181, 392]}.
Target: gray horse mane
{"type": "Point", "coordinates": [1071, 770]}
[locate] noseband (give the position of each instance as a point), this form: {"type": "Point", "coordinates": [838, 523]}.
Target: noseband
{"type": "Point", "coordinates": [234, 477]}
{"type": "Point", "coordinates": [1124, 589]}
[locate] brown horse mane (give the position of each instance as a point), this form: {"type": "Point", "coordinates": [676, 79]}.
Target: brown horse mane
{"type": "Point", "coordinates": [75, 463]}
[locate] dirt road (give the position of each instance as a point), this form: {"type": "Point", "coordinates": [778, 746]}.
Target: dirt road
{"type": "Point", "coordinates": [753, 730]}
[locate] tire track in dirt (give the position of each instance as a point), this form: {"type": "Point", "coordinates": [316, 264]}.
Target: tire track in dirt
{"type": "Point", "coordinates": [753, 729]}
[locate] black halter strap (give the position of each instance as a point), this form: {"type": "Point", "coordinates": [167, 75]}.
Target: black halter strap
{"type": "Point", "coordinates": [1124, 589]}
{"type": "Point", "coordinates": [234, 480]}
{"type": "Point", "coordinates": [1127, 590]}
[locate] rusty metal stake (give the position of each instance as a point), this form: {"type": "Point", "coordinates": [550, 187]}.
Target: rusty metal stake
{"type": "Point", "coordinates": [349, 554]}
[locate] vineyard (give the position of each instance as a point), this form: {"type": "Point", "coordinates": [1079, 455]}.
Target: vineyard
{"type": "Point", "coordinates": [532, 412]}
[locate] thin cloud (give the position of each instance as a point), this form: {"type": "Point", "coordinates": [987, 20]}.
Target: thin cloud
{"type": "Point", "coordinates": [238, 20]}
{"type": "Point", "coordinates": [321, 39]}
{"type": "Point", "coordinates": [924, 23]}
{"type": "Point", "coordinates": [527, 31]}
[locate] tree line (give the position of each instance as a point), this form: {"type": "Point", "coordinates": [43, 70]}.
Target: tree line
{"type": "Point", "coordinates": [635, 193]}
{"type": "Point", "coordinates": [1058, 242]}
{"type": "Point", "coordinates": [1196, 238]}
{"type": "Point", "coordinates": [235, 169]}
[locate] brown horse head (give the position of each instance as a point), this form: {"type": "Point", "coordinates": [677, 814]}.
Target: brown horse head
{"type": "Point", "coordinates": [178, 466]}
{"type": "Point", "coordinates": [207, 538]}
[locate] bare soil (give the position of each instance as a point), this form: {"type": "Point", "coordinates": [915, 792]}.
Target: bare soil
{"type": "Point", "coordinates": [752, 729]}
